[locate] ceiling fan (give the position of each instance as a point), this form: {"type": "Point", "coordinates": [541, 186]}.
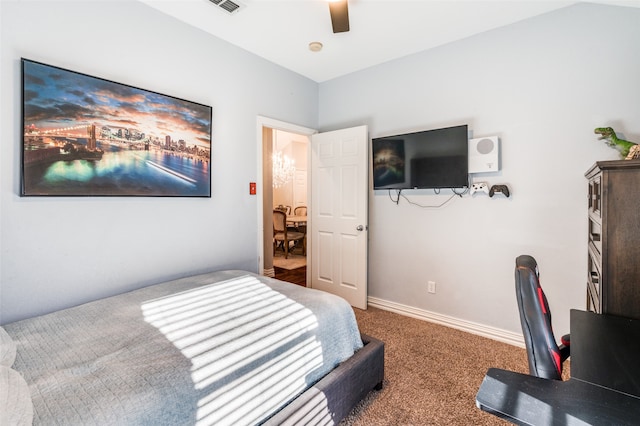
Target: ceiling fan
{"type": "Point", "coordinates": [339, 10]}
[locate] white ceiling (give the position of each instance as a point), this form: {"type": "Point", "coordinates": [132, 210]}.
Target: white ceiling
{"type": "Point", "coordinates": [381, 30]}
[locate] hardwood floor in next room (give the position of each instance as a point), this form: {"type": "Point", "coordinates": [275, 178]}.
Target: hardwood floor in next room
{"type": "Point", "coordinates": [296, 276]}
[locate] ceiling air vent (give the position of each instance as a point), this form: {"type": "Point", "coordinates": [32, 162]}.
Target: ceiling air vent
{"type": "Point", "coordinates": [227, 5]}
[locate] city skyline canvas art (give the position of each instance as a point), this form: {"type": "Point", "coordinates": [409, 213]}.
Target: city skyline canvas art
{"type": "Point", "coordinates": [87, 136]}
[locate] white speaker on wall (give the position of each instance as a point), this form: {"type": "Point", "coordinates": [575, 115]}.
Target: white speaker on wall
{"type": "Point", "coordinates": [484, 154]}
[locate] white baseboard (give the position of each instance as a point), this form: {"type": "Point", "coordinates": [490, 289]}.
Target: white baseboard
{"type": "Point", "coordinates": [500, 335]}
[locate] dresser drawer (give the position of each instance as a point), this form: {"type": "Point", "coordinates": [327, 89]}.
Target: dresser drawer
{"type": "Point", "coordinates": [595, 195]}
{"type": "Point", "coordinates": [593, 303]}
{"type": "Point", "coordinates": [595, 277]}
{"type": "Point", "coordinates": [595, 235]}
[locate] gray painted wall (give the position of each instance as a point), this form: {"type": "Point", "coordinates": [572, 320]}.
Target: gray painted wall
{"type": "Point", "coordinates": [541, 85]}
{"type": "Point", "coordinates": [58, 252]}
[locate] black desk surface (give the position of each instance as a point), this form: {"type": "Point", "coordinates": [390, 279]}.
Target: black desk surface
{"type": "Point", "coordinates": [604, 388]}
{"type": "Point", "coordinates": [605, 350]}
{"type": "Point", "coordinates": [528, 400]}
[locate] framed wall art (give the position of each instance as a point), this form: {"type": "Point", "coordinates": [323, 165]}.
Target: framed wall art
{"type": "Point", "coordinates": [87, 136]}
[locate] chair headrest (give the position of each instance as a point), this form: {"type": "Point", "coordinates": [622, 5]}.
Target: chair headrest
{"type": "Point", "coordinates": [526, 261]}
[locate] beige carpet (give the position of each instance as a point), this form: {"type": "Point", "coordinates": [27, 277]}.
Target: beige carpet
{"type": "Point", "coordinates": [292, 262]}
{"type": "Point", "coordinates": [432, 372]}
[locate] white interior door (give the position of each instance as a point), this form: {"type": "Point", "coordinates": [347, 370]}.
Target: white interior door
{"type": "Point", "coordinates": [299, 189]}
{"type": "Point", "coordinates": [339, 216]}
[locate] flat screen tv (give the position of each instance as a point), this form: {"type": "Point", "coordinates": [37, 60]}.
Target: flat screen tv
{"type": "Point", "coordinates": [426, 159]}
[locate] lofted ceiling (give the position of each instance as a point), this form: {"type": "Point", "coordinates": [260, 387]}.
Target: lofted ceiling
{"type": "Point", "coordinates": [381, 30]}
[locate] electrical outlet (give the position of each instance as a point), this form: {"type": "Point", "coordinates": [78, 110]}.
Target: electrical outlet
{"type": "Point", "coordinates": [431, 286]}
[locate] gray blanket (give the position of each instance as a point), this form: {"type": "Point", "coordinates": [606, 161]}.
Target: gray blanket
{"type": "Point", "coordinates": [227, 347]}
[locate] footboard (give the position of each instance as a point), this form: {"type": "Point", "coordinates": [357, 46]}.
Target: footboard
{"type": "Point", "coordinates": [334, 396]}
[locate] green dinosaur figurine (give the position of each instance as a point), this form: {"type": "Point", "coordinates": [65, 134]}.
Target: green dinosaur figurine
{"type": "Point", "coordinates": [612, 140]}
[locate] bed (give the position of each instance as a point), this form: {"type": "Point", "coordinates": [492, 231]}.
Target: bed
{"type": "Point", "coordinates": [228, 347]}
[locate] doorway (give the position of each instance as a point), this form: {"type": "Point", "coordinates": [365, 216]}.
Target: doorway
{"type": "Point", "coordinates": [337, 219]}
{"type": "Point", "coordinates": [290, 195]}
{"type": "Point", "coordinates": [290, 141]}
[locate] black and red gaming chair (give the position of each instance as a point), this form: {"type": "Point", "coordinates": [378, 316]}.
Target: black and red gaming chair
{"type": "Point", "coordinates": [544, 355]}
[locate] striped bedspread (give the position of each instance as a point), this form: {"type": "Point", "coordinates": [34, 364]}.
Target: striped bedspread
{"type": "Point", "coordinates": [224, 348]}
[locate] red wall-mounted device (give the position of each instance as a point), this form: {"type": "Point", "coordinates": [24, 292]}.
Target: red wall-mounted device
{"type": "Point", "coordinates": [252, 188]}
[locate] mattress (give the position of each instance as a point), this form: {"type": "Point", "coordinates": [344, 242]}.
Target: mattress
{"type": "Point", "coordinates": [228, 347]}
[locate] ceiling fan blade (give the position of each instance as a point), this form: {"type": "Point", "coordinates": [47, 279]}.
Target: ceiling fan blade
{"type": "Point", "coordinates": [339, 16]}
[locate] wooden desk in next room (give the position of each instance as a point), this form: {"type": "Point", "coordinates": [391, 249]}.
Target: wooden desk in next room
{"type": "Point", "coordinates": [604, 388]}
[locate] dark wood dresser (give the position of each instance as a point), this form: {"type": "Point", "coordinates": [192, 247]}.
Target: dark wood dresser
{"type": "Point", "coordinates": [614, 238]}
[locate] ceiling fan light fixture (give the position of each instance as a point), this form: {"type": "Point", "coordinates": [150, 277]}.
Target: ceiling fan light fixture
{"type": "Point", "coordinates": [339, 10]}
{"type": "Point", "coordinates": [315, 46]}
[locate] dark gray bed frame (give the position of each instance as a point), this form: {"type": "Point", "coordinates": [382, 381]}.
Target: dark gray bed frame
{"type": "Point", "coordinates": [332, 398]}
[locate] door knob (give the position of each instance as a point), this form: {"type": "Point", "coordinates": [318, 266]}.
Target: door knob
{"type": "Point", "coordinates": [360, 228]}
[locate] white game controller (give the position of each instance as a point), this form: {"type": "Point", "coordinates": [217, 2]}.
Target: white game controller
{"type": "Point", "coordinates": [479, 187]}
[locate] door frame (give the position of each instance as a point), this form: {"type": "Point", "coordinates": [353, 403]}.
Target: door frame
{"type": "Point", "coordinates": [261, 123]}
